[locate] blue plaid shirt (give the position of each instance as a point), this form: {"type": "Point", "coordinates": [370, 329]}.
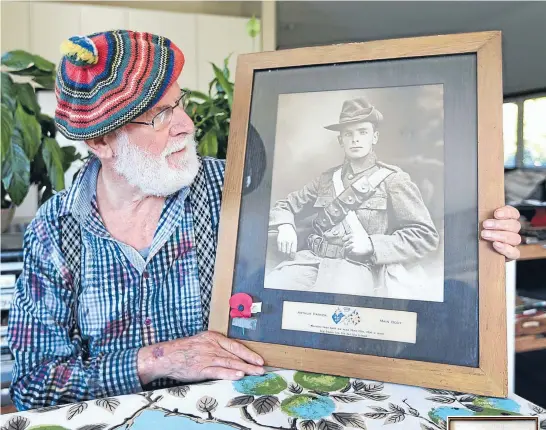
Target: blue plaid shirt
{"type": "Point", "coordinates": [125, 301]}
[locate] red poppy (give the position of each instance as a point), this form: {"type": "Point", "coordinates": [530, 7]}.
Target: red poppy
{"type": "Point", "coordinates": [240, 305]}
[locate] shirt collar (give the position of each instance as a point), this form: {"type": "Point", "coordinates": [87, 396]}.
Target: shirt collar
{"type": "Point", "coordinates": [369, 162]}
{"type": "Point", "coordinates": [78, 198]}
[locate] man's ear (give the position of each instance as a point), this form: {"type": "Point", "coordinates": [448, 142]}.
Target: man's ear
{"type": "Point", "coordinates": [375, 136]}
{"type": "Point", "coordinates": [101, 146]}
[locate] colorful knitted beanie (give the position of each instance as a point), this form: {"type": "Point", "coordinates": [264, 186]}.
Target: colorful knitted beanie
{"type": "Point", "coordinates": [107, 79]}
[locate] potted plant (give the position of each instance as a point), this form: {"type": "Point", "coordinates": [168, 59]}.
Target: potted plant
{"type": "Point", "coordinates": [30, 153]}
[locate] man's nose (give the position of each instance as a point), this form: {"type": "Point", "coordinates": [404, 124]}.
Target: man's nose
{"type": "Point", "coordinates": [181, 123]}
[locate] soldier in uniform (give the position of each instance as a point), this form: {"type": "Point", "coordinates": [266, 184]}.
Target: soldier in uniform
{"type": "Point", "coordinates": [370, 226]}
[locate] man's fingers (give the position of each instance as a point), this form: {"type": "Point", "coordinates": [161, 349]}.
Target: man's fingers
{"type": "Point", "coordinates": [222, 373]}
{"type": "Point", "coordinates": [511, 225]}
{"type": "Point", "coordinates": [240, 350]}
{"type": "Point", "coordinates": [510, 252]}
{"type": "Point", "coordinates": [505, 237]}
{"type": "Point", "coordinates": [293, 246]}
{"type": "Point", "coordinates": [507, 212]}
{"type": "Point", "coordinates": [237, 364]}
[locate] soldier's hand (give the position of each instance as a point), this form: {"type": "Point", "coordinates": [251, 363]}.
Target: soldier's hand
{"type": "Point", "coordinates": [358, 246]}
{"type": "Point", "coordinates": [287, 239]}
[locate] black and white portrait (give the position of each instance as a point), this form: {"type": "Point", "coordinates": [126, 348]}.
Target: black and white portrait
{"type": "Point", "coordinates": [357, 200]}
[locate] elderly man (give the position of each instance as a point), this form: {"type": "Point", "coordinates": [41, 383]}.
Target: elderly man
{"type": "Point", "coordinates": [115, 291]}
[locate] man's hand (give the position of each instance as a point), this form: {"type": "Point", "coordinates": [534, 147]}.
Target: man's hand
{"type": "Point", "coordinates": [287, 239]}
{"type": "Point", "coordinates": [207, 355]}
{"type": "Point", "coordinates": [358, 245]}
{"type": "Point", "coordinates": [503, 232]}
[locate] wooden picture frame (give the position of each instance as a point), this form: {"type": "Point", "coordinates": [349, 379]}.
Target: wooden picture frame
{"type": "Point", "coordinates": [489, 375]}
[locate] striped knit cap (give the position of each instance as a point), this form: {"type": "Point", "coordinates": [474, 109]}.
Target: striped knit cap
{"type": "Point", "coordinates": [107, 79]}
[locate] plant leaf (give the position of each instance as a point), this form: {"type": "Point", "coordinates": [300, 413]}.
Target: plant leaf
{"type": "Point", "coordinates": [76, 410]}
{"type": "Point", "coordinates": [32, 72]}
{"type": "Point", "coordinates": [179, 391]}
{"type": "Point", "coordinates": [425, 427]}
{"type": "Point", "coordinates": [395, 418]}
{"type": "Point", "coordinates": [16, 174]}
{"type": "Point", "coordinates": [440, 399]}
{"type": "Point", "coordinates": [224, 83]}
{"type": "Point", "coordinates": [53, 158]}
{"type": "Point", "coordinates": [253, 27]}
{"type": "Point", "coordinates": [207, 404]}
{"type": "Point", "coordinates": [469, 398]}
{"type": "Point", "coordinates": [240, 401]}
{"type": "Point", "coordinates": [7, 130]}
{"type": "Point", "coordinates": [31, 132]}
{"type": "Point", "coordinates": [474, 408]}
{"type": "Point", "coordinates": [208, 147]}
{"type": "Point", "coordinates": [295, 388]}
{"type": "Point", "coordinates": [47, 82]}
{"type": "Point", "coordinates": [27, 97]}
{"type": "Point", "coordinates": [537, 409]}
{"type": "Point", "coordinates": [373, 396]}
{"type": "Point", "coordinates": [413, 412]}
{"type": "Point", "coordinates": [375, 415]}
{"type": "Point", "coordinates": [18, 59]}
{"type": "Point", "coordinates": [378, 409]}
{"type": "Point", "coordinates": [358, 385]}
{"type": "Point", "coordinates": [110, 404]}
{"type": "Point", "coordinates": [199, 95]}
{"type": "Point", "coordinates": [93, 427]}
{"type": "Point", "coordinates": [9, 92]}
{"type": "Point", "coordinates": [328, 425]}
{"type": "Point", "coordinates": [396, 408]}
{"type": "Point", "coordinates": [441, 392]}
{"type": "Point", "coordinates": [43, 64]}
{"type": "Point", "coordinates": [308, 425]}
{"type": "Point", "coordinates": [349, 420]}
{"type": "Point", "coordinates": [265, 404]}
{"type": "Point", "coordinates": [17, 423]}
{"type": "Point", "coordinates": [346, 398]}
{"type": "Point", "coordinates": [69, 155]}
{"type": "Point", "coordinates": [372, 388]}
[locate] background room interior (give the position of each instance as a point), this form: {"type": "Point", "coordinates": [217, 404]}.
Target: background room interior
{"type": "Point", "coordinates": [213, 33]}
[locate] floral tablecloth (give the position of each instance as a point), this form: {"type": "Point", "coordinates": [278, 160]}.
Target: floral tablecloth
{"type": "Point", "coordinates": [278, 400]}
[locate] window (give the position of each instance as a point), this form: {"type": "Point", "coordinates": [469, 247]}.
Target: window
{"type": "Point", "coordinates": [524, 131]}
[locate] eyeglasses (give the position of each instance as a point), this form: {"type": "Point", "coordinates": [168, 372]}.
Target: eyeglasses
{"type": "Point", "coordinates": [162, 119]}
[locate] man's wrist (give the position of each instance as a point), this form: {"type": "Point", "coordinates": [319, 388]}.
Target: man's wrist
{"type": "Point", "coordinates": [149, 363]}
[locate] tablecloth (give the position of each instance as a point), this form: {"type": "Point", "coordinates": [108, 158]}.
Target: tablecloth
{"type": "Point", "coordinates": [281, 399]}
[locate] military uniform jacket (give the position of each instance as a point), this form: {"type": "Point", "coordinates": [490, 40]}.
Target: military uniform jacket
{"type": "Point", "coordinates": [394, 216]}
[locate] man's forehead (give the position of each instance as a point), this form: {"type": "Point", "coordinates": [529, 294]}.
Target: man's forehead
{"type": "Point", "coordinates": [358, 126]}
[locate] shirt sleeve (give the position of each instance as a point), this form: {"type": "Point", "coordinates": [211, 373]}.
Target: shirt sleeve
{"type": "Point", "coordinates": [51, 367]}
{"type": "Point", "coordinates": [296, 203]}
{"type": "Point", "coordinates": [414, 233]}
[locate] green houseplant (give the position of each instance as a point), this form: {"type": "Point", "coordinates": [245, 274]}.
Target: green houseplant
{"type": "Point", "coordinates": [211, 112]}
{"type": "Point", "coordinates": [30, 154]}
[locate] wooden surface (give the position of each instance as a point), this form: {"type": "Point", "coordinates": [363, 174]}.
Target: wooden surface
{"type": "Point", "coordinates": [491, 377]}
{"type": "Point", "coordinates": [532, 252]}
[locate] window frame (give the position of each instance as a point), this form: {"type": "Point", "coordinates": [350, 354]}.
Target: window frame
{"type": "Point", "coordinates": [519, 100]}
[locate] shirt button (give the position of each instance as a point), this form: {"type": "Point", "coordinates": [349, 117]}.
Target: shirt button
{"type": "Point", "coordinates": [146, 275]}
{"type": "Point", "coordinates": [350, 199]}
{"type": "Point", "coordinates": [148, 321]}
{"type": "Point", "coordinates": [349, 176]}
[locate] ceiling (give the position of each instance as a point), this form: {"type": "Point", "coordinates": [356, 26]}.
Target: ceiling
{"type": "Point", "coordinates": [522, 23]}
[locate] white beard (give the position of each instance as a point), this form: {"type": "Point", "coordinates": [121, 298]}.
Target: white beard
{"type": "Point", "coordinates": [152, 174]}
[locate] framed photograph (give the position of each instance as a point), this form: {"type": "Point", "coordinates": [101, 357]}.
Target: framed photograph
{"type": "Point", "coordinates": [357, 179]}
{"type": "Point", "coordinates": [492, 423]}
